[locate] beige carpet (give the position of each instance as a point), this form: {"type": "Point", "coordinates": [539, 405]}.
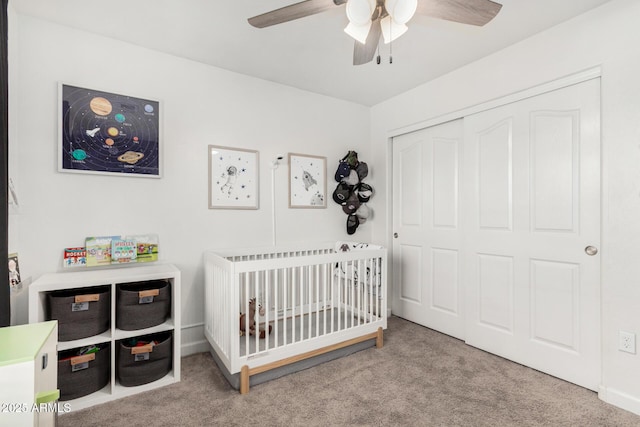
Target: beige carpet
{"type": "Point", "coordinates": [419, 378]}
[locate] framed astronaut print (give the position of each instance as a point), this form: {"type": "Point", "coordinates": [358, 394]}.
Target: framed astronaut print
{"type": "Point", "coordinates": [307, 181]}
{"type": "Point", "coordinates": [233, 178]}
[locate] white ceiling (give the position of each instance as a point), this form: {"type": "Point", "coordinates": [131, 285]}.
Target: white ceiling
{"type": "Point", "coordinates": [312, 53]}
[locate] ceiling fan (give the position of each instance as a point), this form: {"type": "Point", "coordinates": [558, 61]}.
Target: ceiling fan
{"type": "Point", "coordinates": [371, 19]}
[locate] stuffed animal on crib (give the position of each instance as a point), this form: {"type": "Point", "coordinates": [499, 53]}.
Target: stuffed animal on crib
{"type": "Point", "coordinates": [251, 330]}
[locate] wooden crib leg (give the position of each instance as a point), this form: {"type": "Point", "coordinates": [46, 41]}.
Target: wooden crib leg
{"type": "Point", "coordinates": [244, 380]}
{"type": "Point", "coordinates": [379, 338]}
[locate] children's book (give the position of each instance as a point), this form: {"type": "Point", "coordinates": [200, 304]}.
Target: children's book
{"type": "Point", "coordinates": [123, 250]}
{"type": "Point", "coordinates": [99, 250]}
{"type": "Point", "coordinates": [74, 257]}
{"type": "Point", "coordinates": [147, 247]}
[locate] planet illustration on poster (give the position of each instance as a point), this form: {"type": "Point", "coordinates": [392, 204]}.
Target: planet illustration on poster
{"type": "Point", "coordinates": [101, 106]}
{"type": "Point", "coordinates": [148, 108]}
{"type": "Point", "coordinates": [113, 131]}
{"type": "Point", "coordinates": [79, 154]}
{"type": "Point", "coordinates": [120, 118]}
{"type": "Point", "coordinates": [130, 157]}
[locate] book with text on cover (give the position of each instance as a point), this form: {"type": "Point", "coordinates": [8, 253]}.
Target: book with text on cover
{"type": "Point", "coordinates": [74, 257]}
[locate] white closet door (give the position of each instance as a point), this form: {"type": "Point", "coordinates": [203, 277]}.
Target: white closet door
{"type": "Point", "coordinates": [531, 205]}
{"type": "Point", "coordinates": [426, 216]}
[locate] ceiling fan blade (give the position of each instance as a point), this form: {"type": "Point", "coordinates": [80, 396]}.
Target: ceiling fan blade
{"type": "Point", "coordinates": [472, 12]}
{"type": "Point", "coordinates": [294, 11]}
{"type": "Point", "coordinates": [363, 53]}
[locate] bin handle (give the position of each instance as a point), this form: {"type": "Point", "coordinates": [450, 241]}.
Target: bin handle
{"type": "Point", "coordinates": [149, 293]}
{"type": "Point", "coordinates": [142, 349]}
{"type": "Point", "coordinates": [87, 298]}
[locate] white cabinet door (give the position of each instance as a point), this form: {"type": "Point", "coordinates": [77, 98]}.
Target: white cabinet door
{"type": "Point", "coordinates": [426, 250]}
{"type": "Point", "coordinates": [531, 206]}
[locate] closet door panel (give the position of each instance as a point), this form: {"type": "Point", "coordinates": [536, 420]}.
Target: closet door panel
{"type": "Point", "coordinates": [426, 248]}
{"type": "Point", "coordinates": [532, 193]}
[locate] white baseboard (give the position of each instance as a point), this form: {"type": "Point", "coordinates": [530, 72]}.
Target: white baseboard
{"type": "Point", "coordinates": [619, 399]}
{"type": "Point", "coordinates": [195, 347]}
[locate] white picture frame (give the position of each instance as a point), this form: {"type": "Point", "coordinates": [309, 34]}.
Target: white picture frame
{"type": "Point", "coordinates": [233, 178]}
{"type": "Point", "coordinates": [307, 181]}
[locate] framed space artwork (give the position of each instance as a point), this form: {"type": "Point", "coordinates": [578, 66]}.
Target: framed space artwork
{"type": "Point", "coordinates": [233, 178]}
{"type": "Point", "coordinates": [108, 133]}
{"type": "Point", "coordinates": [307, 181]}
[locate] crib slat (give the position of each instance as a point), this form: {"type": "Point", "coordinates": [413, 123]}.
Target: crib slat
{"type": "Point", "coordinates": [357, 291]}
{"type": "Point", "coordinates": [378, 285]}
{"type": "Point", "coordinates": [285, 298]}
{"type": "Point", "coordinates": [316, 285]}
{"type": "Point", "coordinates": [333, 297]}
{"type": "Point", "coordinates": [293, 299]}
{"type": "Point", "coordinates": [352, 292]}
{"type": "Point", "coordinates": [266, 305]}
{"type": "Point", "coordinates": [245, 303]}
{"type": "Point", "coordinates": [276, 307]}
{"type": "Point", "coordinates": [309, 302]}
{"type": "Point", "coordinates": [371, 289]}
{"type": "Point", "coordinates": [256, 287]}
{"type": "Point", "coordinates": [324, 297]}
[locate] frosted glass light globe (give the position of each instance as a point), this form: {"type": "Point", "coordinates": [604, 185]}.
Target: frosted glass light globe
{"type": "Point", "coordinates": [359, 11]}
{"type": "Point", "coordinates": [400, 10]}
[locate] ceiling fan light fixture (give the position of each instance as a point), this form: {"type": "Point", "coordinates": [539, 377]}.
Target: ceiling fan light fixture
{"type": "Point", "coordinates": [358, 32]}
{"type": "Point", "coordinates": [359, 11]}
{"type": "Point", "coordinates": [391, 29]}
{"type": "Point", "coordinates": [401, 10]}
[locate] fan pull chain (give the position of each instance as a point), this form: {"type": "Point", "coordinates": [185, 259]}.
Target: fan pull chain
{"type": "Point", "coordinates": [378, 57]}
{"type": "Point", "coordinates": [390, 43]}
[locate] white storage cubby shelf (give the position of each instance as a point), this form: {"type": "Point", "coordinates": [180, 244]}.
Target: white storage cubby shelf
{"type": "Point", "coordinates": [112, 277]}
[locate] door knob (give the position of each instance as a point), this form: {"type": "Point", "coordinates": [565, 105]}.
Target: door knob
{"type": "Point", "coordinates": [591, 250]}
{"type": "Point", "coordinates": [395, 235]}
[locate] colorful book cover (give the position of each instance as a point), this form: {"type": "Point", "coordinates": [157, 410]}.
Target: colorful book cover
{"type": "Point", "coordinates": [146, 246]}
{"type": "Point", "coordinates": [74, 257]}
{"type": "Point", "coordinates": [99, 250]}
{"type": "Point", "coordinates": [123, 250]}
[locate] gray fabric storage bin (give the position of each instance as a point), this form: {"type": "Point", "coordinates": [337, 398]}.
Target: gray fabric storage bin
{"type": "Point", "coordinates": [80, 319]}
{"type": "Point", "coordinates": [143, 368]}
{"type": "Point", "coordinates": [135, 309]}
{"type": "Point", "coordinates": [88, 379]}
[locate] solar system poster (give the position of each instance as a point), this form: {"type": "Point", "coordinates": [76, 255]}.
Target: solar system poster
{"type": "Point", "coordinates": [103, 132]}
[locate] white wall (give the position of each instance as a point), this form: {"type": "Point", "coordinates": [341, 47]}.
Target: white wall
{"type": "Point", "coordinates": [606, 37]}
{"type": "Point", "coordinates": [202, 105]}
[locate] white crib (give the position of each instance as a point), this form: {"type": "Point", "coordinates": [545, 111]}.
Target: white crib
{"type": "Point", "coordinates": [317, 299]}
